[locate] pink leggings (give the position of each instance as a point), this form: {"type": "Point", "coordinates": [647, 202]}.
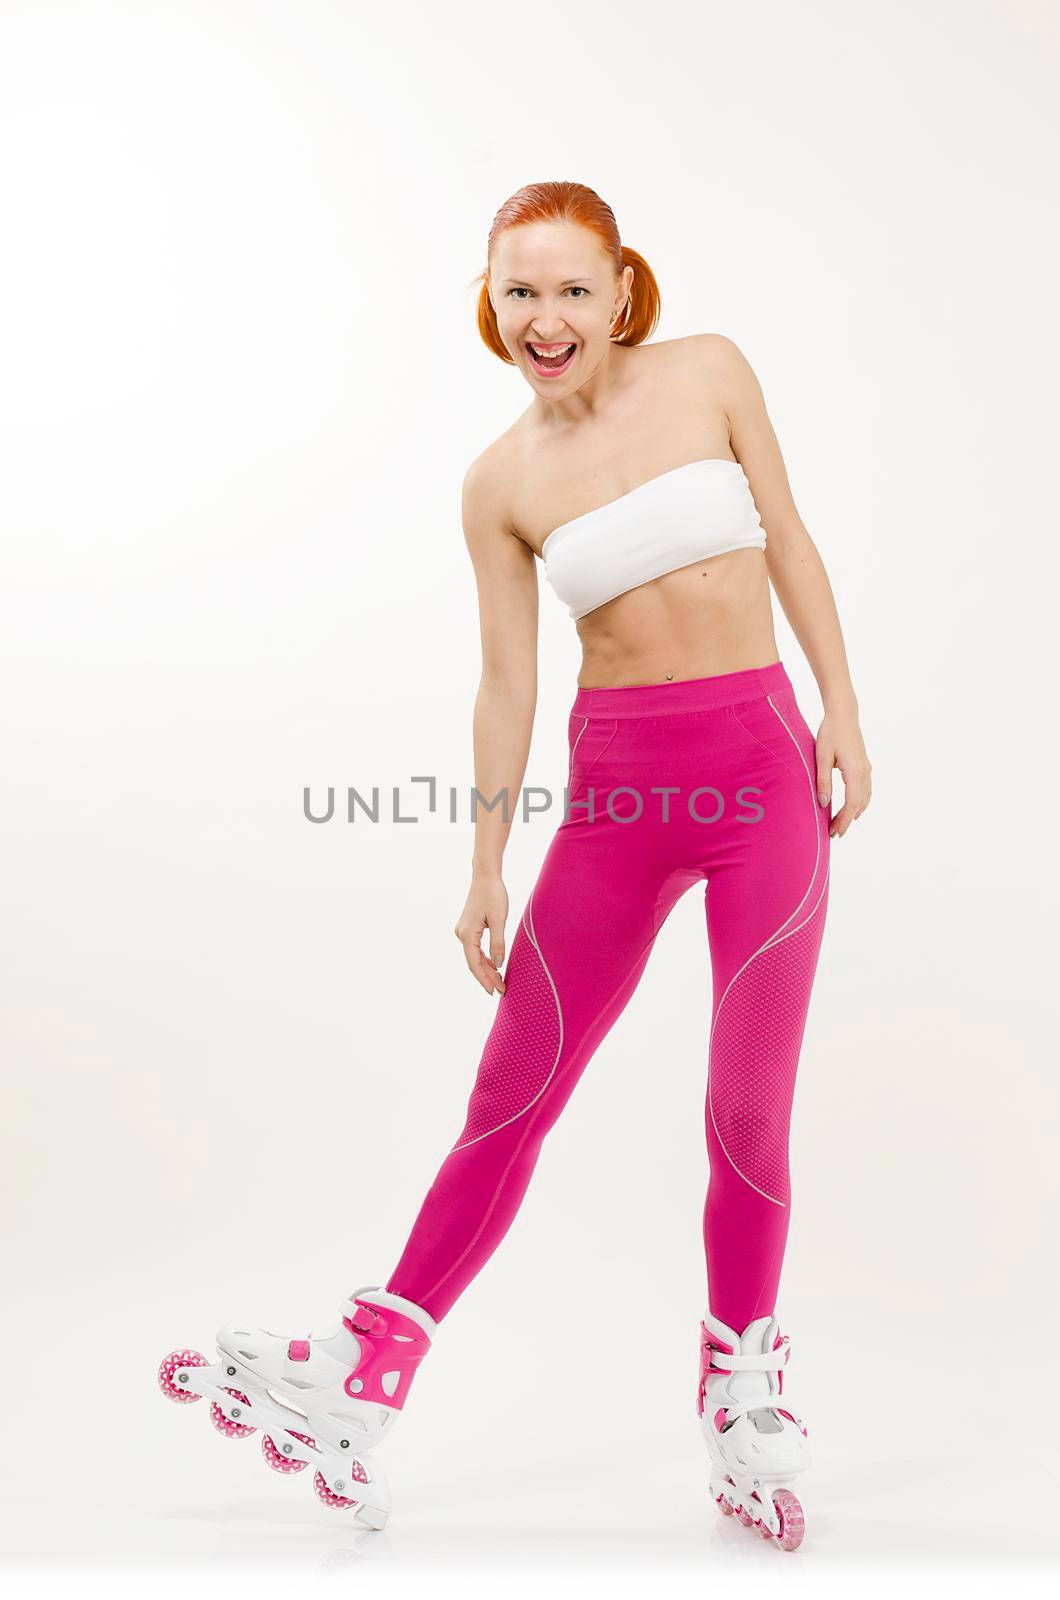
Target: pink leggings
{"type": "Point", "coordinates": [710, 779]}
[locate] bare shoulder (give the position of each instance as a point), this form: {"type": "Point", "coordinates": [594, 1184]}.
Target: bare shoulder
{"type": "Point", "coordinates": [716, 353]}
{"type": "Point", "coordinates": [486, 496]}
{"type": "Point", "coordinates": [722, 364]}
{"type": "Point", "coordinates": [707, 358]}
{"type": "Point", "coordinates": [482, 494]}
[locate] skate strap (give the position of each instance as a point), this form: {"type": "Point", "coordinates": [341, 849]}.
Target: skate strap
{"type": "Point", "coordinates": [726, 1361]}
{"type": "Point", "coordinates": [742, 1408]}
{"type": "Point", "coordinates": [366, 1319]}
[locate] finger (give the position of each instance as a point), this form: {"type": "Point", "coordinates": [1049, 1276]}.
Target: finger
{"type": "Point", "coordinates": [857, 793]}
{"type": "Point", "coordinates": [825, 763]}
{"type": "Point", "coordinates": [495, 975]}
{"type": "Point", "coordinates": [497, 953]}
{"type": "Point", "coordinates": [858, 800]}
{"type": "Point", "coordinates": [474, 958]}
{"type": "Point", "coordinates": [484, 970]}
{"type": "Point", "coordinates": [841, 821]}
{"type": "Point", "coordinates": [485, 976]}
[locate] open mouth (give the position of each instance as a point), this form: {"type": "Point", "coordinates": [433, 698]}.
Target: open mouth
{"type": "Point", "coordinates": [550, 359]}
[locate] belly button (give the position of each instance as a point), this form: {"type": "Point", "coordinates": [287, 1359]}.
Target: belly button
{"type": "Point", "coordinates": [669, 677]}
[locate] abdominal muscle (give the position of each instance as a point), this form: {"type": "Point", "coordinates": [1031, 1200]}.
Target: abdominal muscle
{"type": "Point", "coordinates": [710, 617]}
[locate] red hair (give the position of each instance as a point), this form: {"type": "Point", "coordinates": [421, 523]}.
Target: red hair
{"type": "Point", "coordinates": [573, 202]}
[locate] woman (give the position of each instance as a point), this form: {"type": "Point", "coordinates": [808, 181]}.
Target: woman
{"type": "Point", "coordinates": [648, 480]}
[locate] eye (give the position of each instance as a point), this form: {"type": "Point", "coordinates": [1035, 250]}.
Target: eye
{"type": "Point", "coordinates": [575, 288]}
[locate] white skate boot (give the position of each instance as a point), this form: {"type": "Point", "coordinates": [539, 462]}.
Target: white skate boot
{"type": "Point", "coordinates": [757, 1445]}
{"type": "Point", "coordinates": [324, 1401]}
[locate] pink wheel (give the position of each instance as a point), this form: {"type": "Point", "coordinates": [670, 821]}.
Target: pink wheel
{"type": "Point", "coordinates": [166, 1382]}
{"type": "Point", "coordinates": [762, 1530]}
{"type": "Point", "coordinates": [337, 1502]}
{"type": "Point", "coordinates": [277, 1460]}
{"type": "Point", "coordinates": [223, 1424]}
{"type": "Point", "coordinates": [744, 1516]}
{"type": "Point", "coordinates": [723, 1505]}
{"type": "Point", "coordinates": [792, 1520]}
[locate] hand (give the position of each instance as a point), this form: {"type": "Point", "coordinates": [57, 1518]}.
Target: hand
{"type": "Point", "coordinates": [486, 907]}
{"type": "Point", "coordinates": [839, 744]}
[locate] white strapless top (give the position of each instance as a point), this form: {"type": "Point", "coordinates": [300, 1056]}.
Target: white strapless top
{"type": "Point", "coordinates": [704, 508]}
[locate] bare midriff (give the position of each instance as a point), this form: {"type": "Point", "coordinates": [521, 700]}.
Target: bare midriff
{"type": "Point", "coordinates": [711, 617]}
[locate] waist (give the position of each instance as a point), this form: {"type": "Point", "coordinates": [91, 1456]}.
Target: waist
{"type": "Point", "coordinates": [687, 694]}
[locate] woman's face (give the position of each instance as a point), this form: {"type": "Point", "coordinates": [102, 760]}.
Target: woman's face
{"type": "Point", "coordinates": [555, 295]}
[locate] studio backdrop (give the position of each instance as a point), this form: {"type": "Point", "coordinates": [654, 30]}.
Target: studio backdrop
{"type": "Point", "coordinates": [241, 385]}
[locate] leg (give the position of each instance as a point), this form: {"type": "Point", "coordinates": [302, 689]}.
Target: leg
{"type": "Point", "coordinates": [579, 950]}
{"type": "Point", "coordinates": [765, 907]}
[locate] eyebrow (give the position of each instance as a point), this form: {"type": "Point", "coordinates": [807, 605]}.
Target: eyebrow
{"type": "Point", "coordinates": [565, 284]}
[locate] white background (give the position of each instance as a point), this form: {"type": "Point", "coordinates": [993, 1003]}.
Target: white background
{"type": "Point", "coordinates": [240, 387]}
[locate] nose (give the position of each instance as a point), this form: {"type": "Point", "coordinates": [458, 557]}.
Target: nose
{"type": "Point", "coordinates": [547, 325]}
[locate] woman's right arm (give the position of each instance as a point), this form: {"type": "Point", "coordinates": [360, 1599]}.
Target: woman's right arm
{"type": "Point", "coordinates": [504, 708]}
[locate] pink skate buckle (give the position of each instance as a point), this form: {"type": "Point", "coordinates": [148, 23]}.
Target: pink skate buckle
{"type": "Point", "coordinates": [298, 1350]}
{"type": "Point", "coordinates": [367, 1320]}
{"type": "Point", "coordinates": [707, 1346]}
{"type": "Point", "coordinates": [392, 1347]}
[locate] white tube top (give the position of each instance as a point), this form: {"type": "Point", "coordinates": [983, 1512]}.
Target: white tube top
{"type": "Point", "coordinates": [704, 508]}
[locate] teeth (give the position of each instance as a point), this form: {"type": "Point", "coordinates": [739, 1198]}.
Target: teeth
{"type": "Point", "coordinates": [549, 349]}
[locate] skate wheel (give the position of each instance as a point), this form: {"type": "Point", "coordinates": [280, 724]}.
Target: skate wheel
{"type": "Point", "coordinates": [723, 1505]}
{"type": "Point", "coordinates": [744, 1516]}
{"type": "Point", "coordinates": [276, 1458]}
{"type": "Point", "coordinates": [792, 1520]}
{"type": "Point", "coordinates": [337, 1502]}
{"type": "Point", "coordinates": [225, 1425]}
{"type": "Point", "coordinates": [166, 1382]}
{"type": "Point", "coordinates": [762, 1530]}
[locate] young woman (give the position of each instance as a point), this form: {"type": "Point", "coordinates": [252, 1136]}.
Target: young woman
{"type": "Point", "coordinates": [648, 480]}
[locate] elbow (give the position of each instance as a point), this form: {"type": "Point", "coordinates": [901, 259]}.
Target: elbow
{"type": "Point", "coordinates": [788, 546]}
{"type": "Point", "coordinates": [517, 689]}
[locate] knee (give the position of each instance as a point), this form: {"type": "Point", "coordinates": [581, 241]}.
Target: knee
{"type": "Point", "coordinates": [753, 1135]}
{"type": "Point", "coordinates": [519, 1061]}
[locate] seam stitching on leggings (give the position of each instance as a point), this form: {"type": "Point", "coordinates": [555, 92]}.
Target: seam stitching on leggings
{"type": "Point", "coordinates": [529, 929]}
{"type": "Point", "coordinates": [574, 747]}
{"type": "Point", "coordinates": [776, 937]}
{"type": "Point", "coordinates": [771, 944]}
{"type": "Point", "coordinates": [644, 950]}
{"type": "Point", "coordinates": [589, 768]}
{"type": "Point", "coordinates": [751, 735]}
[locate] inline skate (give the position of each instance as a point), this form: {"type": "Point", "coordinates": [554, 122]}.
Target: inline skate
{"type": "Point", "coordinates": [322, 1401]}
{"type": "Point", "coordinates": [756, 1445]}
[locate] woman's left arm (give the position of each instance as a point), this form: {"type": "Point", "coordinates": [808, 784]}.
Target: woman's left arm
{"type": "Point", "coordinates": [798, 575]}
